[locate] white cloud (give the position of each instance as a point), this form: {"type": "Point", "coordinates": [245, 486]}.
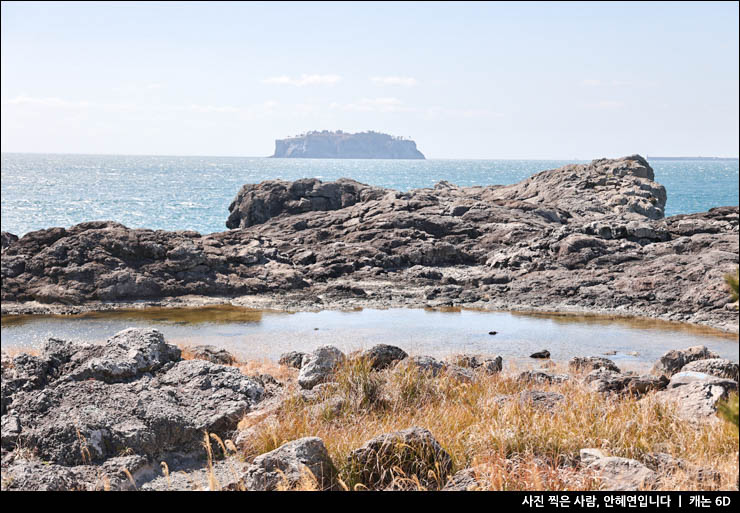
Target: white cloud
{"type": "Point", "coordinates": [303, 80]}
{"type": "Point", "coordinates": [402, 81]}
{"type": "Point", "coordinates": [591, 83]}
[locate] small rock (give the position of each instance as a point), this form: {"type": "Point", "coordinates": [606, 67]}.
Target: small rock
{"type": "Point", "coordinates": [292, 359]}
{"type": "Point", "coordinates": [319, 366]}
{"type": "Point", "coordinates": [492, 332]}
{"type": "Point", "coordinates": [541, 377]}
{"type": "Point", "coordinates": [212, 354]}
{"type": "Point", "coordinates": [463, 481]}
{"type": "Point", "coordinates": [623, 474]}
{"type": "Point", "coordinates": [383, 356]}
{"type": "Point", "coordinates": [674, 360]}
{"type": "Point", "coordinates": [590, 363]}
{"type": "Point", "coordinates": [685, 377]}
{"type": "Point", "coordinates": [290, 464]}
{"type": "Point", "coordinates": [696, 401]}
{"type": "Point", "coordinates": [590, 455]}
{"type": "Point", "coordinates": [541, 354]}
{"type": "Point", "coordinates": [720, 367]}
{"type": "Point", "coordinates": [402, 454]}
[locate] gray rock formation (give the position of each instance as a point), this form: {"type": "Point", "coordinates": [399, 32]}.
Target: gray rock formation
{"type": "Point", "coordinates": [382, 356]}
{"type": "Point", "coordinates": [212, 354]}
{"type": "Point", "coordinates": [607, 381]}
{"type": "Point", "coordinates": [302, 460]}
{"type": "Point", "coordinates": [81, 406]}
{"type": "Point", "coordinates": [695, 401]}
{"type": "Point", "coordinates": [541, 354]}
{"type": "Point", "coordinates": [720, 367]}
{"type": "Point", "coordinates": [594, 233]}
{"type": "Point", "coordinates": [489, 364]}
{"type": "Point", "coordinates": [685, 377]}
{"type": "Point", "coordinates": [623, 474]}
{"type": "Point", "coordinates": [319, 366]}
{"type": "Point", "coordinates": [292, 359]}
{"type": "Point", "coordinates": [673, 361]}
{"type": "Point", "coordinates": [591, 363]}
{"type": "Point", "coordinates": [541, 377]}
{"type": "Point", "coordinates": [341, 145]}
{"type": "Point", "coordinates": [401, 455]}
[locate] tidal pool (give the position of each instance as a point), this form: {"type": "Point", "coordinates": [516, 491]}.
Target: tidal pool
{"type": "Point", "coordinates": [255, 334]}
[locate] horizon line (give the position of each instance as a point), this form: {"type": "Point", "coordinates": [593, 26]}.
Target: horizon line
{"type": "Point", "coordinates": [696, 157]}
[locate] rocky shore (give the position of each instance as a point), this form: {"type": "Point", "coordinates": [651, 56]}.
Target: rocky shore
{"type": "Point", "coordinates": [133, 413]}
{"type": "Point", "coordinates": [581, 238]}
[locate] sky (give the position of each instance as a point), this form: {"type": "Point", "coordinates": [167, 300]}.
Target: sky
{"type": "Point", "coordinates": [464, 80]}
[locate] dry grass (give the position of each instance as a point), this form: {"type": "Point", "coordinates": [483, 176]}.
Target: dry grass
{"type": "Point", "coordinates": [522, 446]}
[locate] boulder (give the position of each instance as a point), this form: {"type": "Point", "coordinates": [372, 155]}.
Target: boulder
{"type": "Point", "coordinates": [212, 354]}
{"type": "Point", "coordinates": [131, 394]}
{"type": "Point", "coordinates": [608, 381]}
{"type": "Point", "coordinates": [305, 460]}
{"type": "Point", "coordinates": [541, 354]}
{"type": "Point", "coordinates": [383, 356]}
{"type": "Point", "coordinates": [465, 480]}
{"type": "Point", "coordinates": [685, 377]}
{"type": "Point", "coordinates": [292, 359]}
{"type": "Point", "coordinates": [489, 364]}
{"type": "Point", "coordinates": [623, 474]}
{"type": "Point", "coordinates": [674, 360]}
{"type": "Point", "coordinates": [541, 377]}
{"type": "Point", "coordinates": [590, 363]}
{"type": "Point", "coordinates": [319, 366]}
{"type": "Point", "coordinates": [720, 367]}
{"type": "Point", "coordinates": [695, 401]}
{"type": "Point", "coordinates": [399, 456]}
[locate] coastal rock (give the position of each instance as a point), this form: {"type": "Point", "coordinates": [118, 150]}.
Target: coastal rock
{"type": "Point", "coordinates": [319, 366]}
{"type": "Point", "coordinates": [541, 377]}
{"type": "Point", "coordinates": [590, 363]}
{"type": "Point", "coordinates": [401, 455]}
{"type": "Point", "coordinates": [673, 361]}
{"type": "Point", "coordinates": [594, 233]}
{"type": "Point", "coordinates": [489, 364]}
{"type": "Point", "coordinates": [465, 480]}
{"type": "Point", "coordinates": [685, 377]}
{"type": "Point", "coordinates": [608, 381]}
{"type": "Point", "coordinates": [541, 354]}
{"type": "Point", "coordinates": [623, 474]}
{"type": "Point", "coordinates": [302, 460]}
{"type": "Point", "coordinates": [589, 455]}
{"type": "Point", "coordinates": [382, 356]}
{"type": "Point", "coordinates": [719, 367]}
{"type": "Point", "coordinates": [695, 401]}
{"type": "Point", "coordinates": [212, 354]}
{"type": "Point", "coordinates": [6, 239]}
{"type": "Point", "coordinates": [255, 204]}
{"type": "Point", "coordinates": [426, 364]}
{"type": "Point", "coordinates": [668, 465]}
{"type": "Point", "coordinates": [88, 403]}
{"type": "Point", "coordinates": [292, 359]}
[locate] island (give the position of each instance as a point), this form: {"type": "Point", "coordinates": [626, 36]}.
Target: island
{"type": "Point", "coordinates": [343, 145]}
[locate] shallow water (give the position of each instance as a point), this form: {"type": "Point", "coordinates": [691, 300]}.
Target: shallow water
{"type": "Point", "coordinates": [193, 193]}
{"type": "Point", "coordinates": [253, 334]}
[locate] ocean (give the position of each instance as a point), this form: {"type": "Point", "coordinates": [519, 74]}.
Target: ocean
{"type": "Point", "coordinates": [193, 193]}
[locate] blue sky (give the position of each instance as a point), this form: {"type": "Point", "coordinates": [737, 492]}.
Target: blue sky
{"type": "Point", "coordinates": [477, 80]}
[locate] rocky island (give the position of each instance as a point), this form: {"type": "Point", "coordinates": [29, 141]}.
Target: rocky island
{"type": "Point", "coordinates": [342, 145]}
{"type": "Point", "coordinates": [581, 238]}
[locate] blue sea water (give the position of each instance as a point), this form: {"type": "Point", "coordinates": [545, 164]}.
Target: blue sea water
{"type": "Point", "coordinates": [193, 193]}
